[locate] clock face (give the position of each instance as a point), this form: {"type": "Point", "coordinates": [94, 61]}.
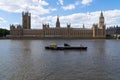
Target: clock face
{"type": "Point", "coordinates": [102, 19]}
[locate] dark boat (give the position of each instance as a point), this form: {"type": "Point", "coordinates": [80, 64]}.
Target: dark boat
{"type": "Point", "coordinates": [66, 47]}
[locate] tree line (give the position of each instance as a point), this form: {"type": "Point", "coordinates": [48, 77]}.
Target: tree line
{"type": "Point", "coordinates": [4, 32]}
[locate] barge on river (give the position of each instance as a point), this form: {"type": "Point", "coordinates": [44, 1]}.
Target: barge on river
{"type": "Point", "coordinates": [65, 47]}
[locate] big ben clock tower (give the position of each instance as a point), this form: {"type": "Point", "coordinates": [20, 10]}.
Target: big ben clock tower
{"type": "Point", "coordinates": [102, 25]}
{"type": "Point", "coordinates": [101, 20]}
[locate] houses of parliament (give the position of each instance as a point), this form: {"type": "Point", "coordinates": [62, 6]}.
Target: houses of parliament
{"type": "Point", "coordinates": [25, 31]}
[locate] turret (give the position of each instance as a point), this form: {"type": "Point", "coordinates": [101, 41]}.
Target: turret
{"type": "Point", "coordinates": [95, 30]}
{"type": "Point", "coordinates": [12, 27]}
{"type": "Point", "coordinates": [57, 22]}
{"type": "Point", "coordinates": [83, 26]}
{"type": "Point", "coordinates": [45, 26]}
{"type": "Point", "coordinates": [68, 25]}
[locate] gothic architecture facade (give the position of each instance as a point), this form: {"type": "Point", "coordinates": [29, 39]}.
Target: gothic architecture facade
{"type": "Point", "coordinates": [25, 31]}
{"type": "Point", "coordinates": [113, 31]}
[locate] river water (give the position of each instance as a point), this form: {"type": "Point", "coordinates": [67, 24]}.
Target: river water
{"type": "Point", "coordinates": [28, 60]}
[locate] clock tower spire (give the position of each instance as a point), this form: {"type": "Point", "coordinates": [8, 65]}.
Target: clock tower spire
{"type": "Point", "coordinates": [101, 20]}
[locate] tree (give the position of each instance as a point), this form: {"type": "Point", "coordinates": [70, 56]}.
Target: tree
{"type": "Point", "coordinates": [4, 32]}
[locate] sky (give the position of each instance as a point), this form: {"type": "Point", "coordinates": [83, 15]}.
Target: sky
{"type": "Point", "coordinates": [74, 12]}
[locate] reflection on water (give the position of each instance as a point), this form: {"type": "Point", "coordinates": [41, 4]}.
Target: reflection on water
{"type": "Point", "coordinates": [28, 60]}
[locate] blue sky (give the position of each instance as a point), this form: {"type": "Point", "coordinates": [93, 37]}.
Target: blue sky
{"type": "Point", "coordinates": [76, 12]}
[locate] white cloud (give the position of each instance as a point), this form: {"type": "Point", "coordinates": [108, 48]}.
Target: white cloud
{"type": "Point", "coordinates": [71, 6]}
{"type": "Point", "coordinates": [34, 6]}
{"type": "Point", "coordinates": [60, 2]}
{"type": "Point", "coordinates": [37, 21]}
{"type": "Point", "coordinates": [112, 17]}
{"type": "Point", "coordinates": [2, 20]}
{"type": "Point", "coordinates": [42, 2]}
{"type": "Point", "coordinates": [38, 7]}
{"type": "Point", "coordinates": [85, 2]}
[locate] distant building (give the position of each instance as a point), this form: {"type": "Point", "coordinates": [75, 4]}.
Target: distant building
{"type": "Point", "coordinates": [113, 31]}
{"type": "Point", "coordinates": [24, 30]}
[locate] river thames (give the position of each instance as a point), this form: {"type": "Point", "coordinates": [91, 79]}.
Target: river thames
{"type": "Point", "coordinates": [28, 60]}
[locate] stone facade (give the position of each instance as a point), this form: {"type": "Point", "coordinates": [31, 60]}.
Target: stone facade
{"type": "Point", "coordinates": [26, 20]}
{"type": "Point", "coordinates": [24, 30]}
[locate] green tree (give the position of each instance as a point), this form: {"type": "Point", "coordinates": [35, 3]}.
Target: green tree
{"type": "Point", "coordinates": [4, 32]}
